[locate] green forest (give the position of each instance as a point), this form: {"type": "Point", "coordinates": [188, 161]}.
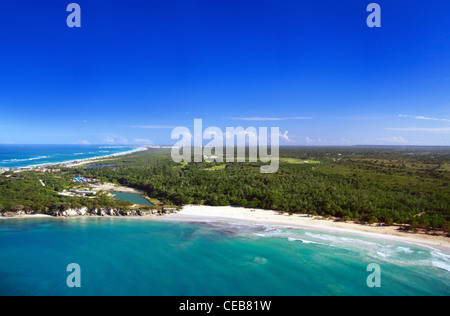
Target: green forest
{"type": "Point", "coordinates": [404, 185]}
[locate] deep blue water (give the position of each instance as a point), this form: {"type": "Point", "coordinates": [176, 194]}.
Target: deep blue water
{"type": "Point", "coordinates": [16, 156]}
{"type": "Point", "coordinates": [121, 256]}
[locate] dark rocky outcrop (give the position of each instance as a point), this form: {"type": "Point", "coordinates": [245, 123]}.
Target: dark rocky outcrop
{"type": "Point", "coordinates": [91, 212]}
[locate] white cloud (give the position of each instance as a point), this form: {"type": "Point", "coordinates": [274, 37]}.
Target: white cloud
{"type": "Point", "coordinates": [143, 141]}
{"type": "Point", "coordinates": [392, 140]}
{"type": "Point", "coordinates": [251, 134]}
{"type": "Point", "coordinates": [421, 129]}
{"type": "Point", "coordinates": [261, 119]}
{"type": "Point", "coordinates": [152, 126]}
{"type": "Point", "coordinates": [286, 137]}
{"type": "Point", "coordinates": [420, 117]}
{"type": "Point", "coordinates": [318, 141]}
{"type": "Point", "coordinates": [115, 140]}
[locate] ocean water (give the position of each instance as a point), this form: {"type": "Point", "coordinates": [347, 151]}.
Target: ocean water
{"type": "Point", "coordinates": [17, 156]}
{"type": "Point", "coordinates": [124, 256]}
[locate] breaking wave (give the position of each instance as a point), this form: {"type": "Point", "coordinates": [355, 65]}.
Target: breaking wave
{"type": "Point", "coordinates": [390, 251]}
{"type": "Point", "coordinates": [28, 159]}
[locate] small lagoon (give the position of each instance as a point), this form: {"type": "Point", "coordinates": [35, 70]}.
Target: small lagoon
{"type": "Point", "coordinates": [132, 198]}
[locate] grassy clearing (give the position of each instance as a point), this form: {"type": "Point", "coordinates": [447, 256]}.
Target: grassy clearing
{"type": "Point", "coordinates": [445, 167]}
{"type": "Point", "coordinates": [181, 165]}
{"type": "Point", "coordinates": [154, 201]}
{"type": "Point", "coordinates": [299, 161]}
{"type": "Point", "coordinates": [217, 168]}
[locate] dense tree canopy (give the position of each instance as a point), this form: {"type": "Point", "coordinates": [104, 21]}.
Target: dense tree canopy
{"type": "Point", "coordinates": [390, 185]}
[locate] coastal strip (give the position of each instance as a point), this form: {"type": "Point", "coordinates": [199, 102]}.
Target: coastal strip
{"type": "Point", "coordinates": [268, 217]}
{"type": "Point", "coordinates": [77, 162]}
{"type": "Point", "coordinates": [196, 213]}
{"type": "Point", "coordinates": [86, 212]}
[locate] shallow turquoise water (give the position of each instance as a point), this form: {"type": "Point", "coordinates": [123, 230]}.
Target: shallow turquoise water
{"type": "Point", "coordinates": [132, 198]}
{"type": "Point", "coordinates": [144, 257]}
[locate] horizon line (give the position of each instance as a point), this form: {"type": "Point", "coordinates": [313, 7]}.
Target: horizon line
{"type": "Point", "coordinates": [168, 145]}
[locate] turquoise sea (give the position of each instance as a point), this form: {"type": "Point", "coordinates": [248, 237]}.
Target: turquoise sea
{"type": "Point", "coordinates": [120, 256]}
{"type": "Point", "coordinates": [19, 156]}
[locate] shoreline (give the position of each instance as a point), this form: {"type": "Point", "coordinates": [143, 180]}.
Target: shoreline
{"type": "Point", "coordinates": [34, 216]}
{"type": "Point", "coordinates": [196, 213]}
{"type": "Point", "coordinates": [268, 217]}
{"type": "Point", "coordinates": [78, 162]}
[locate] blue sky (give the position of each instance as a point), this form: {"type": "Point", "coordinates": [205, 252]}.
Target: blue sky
{"type": "Point", "coordinates": [136, 69]}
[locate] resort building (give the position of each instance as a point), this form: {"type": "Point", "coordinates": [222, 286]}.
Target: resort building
{"type": "Point", "coordinates": [84, 180]}
{"type": "Point", "coordinates": [83, 193]}
{"type": "Point", "coordinates": [48, 170]}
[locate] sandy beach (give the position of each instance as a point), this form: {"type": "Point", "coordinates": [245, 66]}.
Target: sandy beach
{"type": "Point", "coordinates": [26, 216]}
{"type": "Point", "coordinates": [194, 212]}
{"type": "Point", "coordinates": [268, 217]}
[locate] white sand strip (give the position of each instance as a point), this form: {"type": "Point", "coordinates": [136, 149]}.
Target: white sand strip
{"type": "Point", "coordinates": [194, 212]}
